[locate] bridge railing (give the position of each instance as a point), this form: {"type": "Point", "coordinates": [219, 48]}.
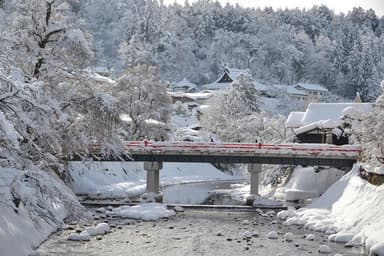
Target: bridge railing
{"type": "Point", "coordinates": [212, 147]}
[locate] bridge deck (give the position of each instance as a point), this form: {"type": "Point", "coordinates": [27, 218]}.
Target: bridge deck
{"type": "Point", "coordinates": [292, 154]}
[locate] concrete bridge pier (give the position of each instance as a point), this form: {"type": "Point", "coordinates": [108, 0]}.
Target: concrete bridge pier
{"type": "Point", "coordinates": [153, 177]}
{"type": "Point", "coordinates": [254, 170]}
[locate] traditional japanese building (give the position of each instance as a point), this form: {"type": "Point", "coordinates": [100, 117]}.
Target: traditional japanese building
{"type": "Point", "coordinates": [228, 76]}
{"type": "Point", "coordinates": [314, 90]}
{"type": "Point", "coordinates": [326, 122]}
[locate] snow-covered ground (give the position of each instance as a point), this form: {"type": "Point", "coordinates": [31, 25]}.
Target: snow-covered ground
{"type": "Point", "coordinates": [350, 211]}
{"type": "Point", "coordinates": [307, 183]}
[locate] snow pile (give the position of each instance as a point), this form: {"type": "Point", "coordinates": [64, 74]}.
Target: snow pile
{"type": "Point", "coordinates": [352, 209]}
{"type": "Point", "coordinates": [33, 204]}
{"type": "Point", "coordinates": [272, 235]}
{"type": "Point", "coordinates": [308, 182]}
{"type": "Point", "coordinates": [147, 212]}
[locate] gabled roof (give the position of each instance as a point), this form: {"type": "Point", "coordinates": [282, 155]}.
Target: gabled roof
{"type": "Point", "coordinates": [226, 78]}
{"type": "Point", "coordinates": [234, 73]}
{"type": "Point", "coordinates": [310, 87]}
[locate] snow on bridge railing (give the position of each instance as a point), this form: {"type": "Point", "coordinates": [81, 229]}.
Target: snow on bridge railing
{"type": "Point", "coordinates": [351, 151]}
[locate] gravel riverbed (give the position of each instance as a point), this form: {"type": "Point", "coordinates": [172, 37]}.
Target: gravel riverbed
{"type": "Point", "coordinates": [197, 232]}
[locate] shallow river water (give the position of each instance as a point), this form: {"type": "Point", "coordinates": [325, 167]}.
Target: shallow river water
{"type": "Point", "coordinates": [195, 232]}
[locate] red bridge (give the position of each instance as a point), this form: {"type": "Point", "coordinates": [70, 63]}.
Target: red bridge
{"type": "Point", "coordinates": [153, 154]}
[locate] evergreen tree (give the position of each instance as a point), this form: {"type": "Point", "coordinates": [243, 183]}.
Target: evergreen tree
{"type": "Point", "coordinates": [372, 132]}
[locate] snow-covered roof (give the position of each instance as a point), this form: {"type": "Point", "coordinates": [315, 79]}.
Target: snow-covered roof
{"type": "Point", "coordinates": [324, 115]}
{"type": "Point", "coordinates": [234, 73]}
{"type": "Point", "coordinates": [215, 86]}
{"type": "Point", "coordinates": [102, 79]}
{"type": "Point", "coordinates": [291, 90]}
{"type": "Point", "coordinates": [323, 124]}
{"type": "Point", "coordinates": [127, 119]}
{"type": "Point", "coordinates": [185, 84]}
{"type": "Point", "coordinates": [331, 111]}
{"type": "Point", "coordinates": [311, 87]}
{"type": "Point", "coordinates": [192, 95]}
{"type": "Point", "coordinates": [294, 119]}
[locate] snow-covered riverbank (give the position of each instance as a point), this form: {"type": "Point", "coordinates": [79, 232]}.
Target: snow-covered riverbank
{"type": "Point", "coordinates": [33, 204]}
{"type": "Point", "coordinates": [351, 212]}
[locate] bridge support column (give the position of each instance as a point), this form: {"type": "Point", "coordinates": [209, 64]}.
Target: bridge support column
{"type": "Point", "coordinates": [254, 170]}
{"type": "Point", "coordinates": [153, 177]}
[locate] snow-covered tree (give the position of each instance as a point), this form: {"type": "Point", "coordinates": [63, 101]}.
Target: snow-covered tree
{"type": "Point", "coordinates": [143, 99]}
{"type": "Point", "coordinates": [55, 106]}
{"type": "Point", "coordinates": [236, 115]}
{"type": "Point", "coordinates": [372, 132]}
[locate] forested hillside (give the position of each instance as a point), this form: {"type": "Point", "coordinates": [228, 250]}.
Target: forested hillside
{"type": "Point", "coordinates": [342, 52]}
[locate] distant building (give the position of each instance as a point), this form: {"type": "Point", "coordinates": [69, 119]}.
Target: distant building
{"type": "Point", "coordinates": [314, 90]}
{"type": "Point", "coordinates": [228, 76]}
{"type": "Point", "coordinates": [185, 85]}
{"type": "Point", "coordinates": [197, 97]}
{"type": "Point", "coordinates": [292, 92]}
{"type": "Point", "coordinates": [1, 3]}
{"type": "Point", "coordinates": [326, 122]}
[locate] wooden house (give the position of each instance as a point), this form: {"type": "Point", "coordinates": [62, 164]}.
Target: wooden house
{"type": "Point", "coordinates": [313, 90]}
{"type": "Point", "coordinates": [326, 122]}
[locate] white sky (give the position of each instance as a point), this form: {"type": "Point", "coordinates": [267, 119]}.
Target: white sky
{"type": "Point", "coordinates": [337, 5]}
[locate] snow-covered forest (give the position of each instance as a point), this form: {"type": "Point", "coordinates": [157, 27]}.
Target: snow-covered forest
{"type": "Point", "coordinates": [339, 51]}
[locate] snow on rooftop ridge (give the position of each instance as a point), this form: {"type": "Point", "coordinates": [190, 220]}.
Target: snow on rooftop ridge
{"type": "Point", "coordinates": [185, 83]}
{"type": "Point", "coordinates": [322, 124]}
{"type": "Point", "coordinates": [312, 87]}
{"type": "Point", "coordinates": [192, 95]}
{"type": "Point", "coordinates": [290, 89]}
{"type": "Point", "coordinates": [357, 109]}
{"type": "Point", "coordinates": [294, 119]}
{"type": "Point", "coordinates": [330, 111]}
{"type": "Point", "coordinates": [235, 73]}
